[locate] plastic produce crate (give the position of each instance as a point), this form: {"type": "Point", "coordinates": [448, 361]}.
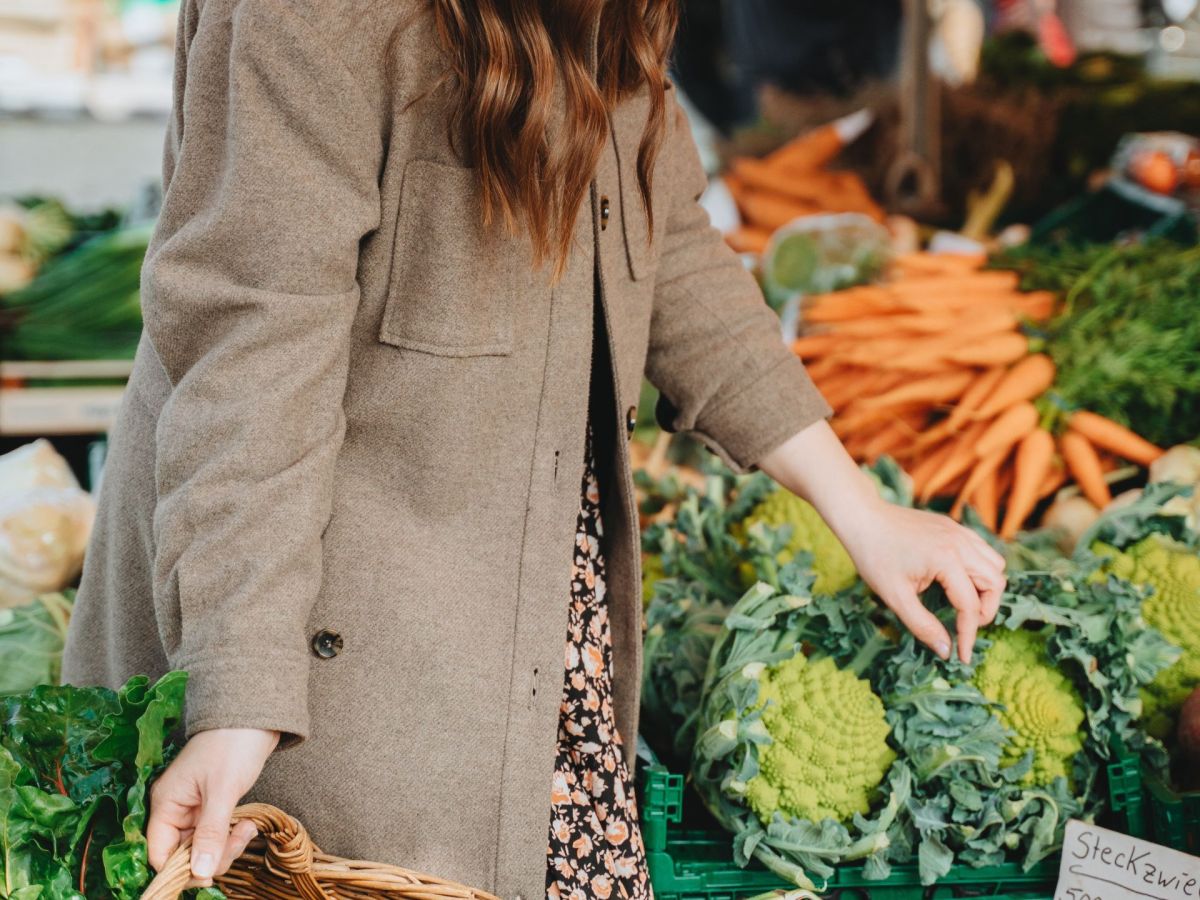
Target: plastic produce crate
{"type": "Point", "coordinates": [697, 864]}
{"type": "Point", "coordinates": [690, 863]}
{"type": "Point", "coordinates": [1115, 210]}
{"type": "Point", "coordinates": [1150, 809]}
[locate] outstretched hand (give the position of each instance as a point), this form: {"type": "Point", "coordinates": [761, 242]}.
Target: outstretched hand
{"type": "Point", "coordinates": [899, 552]}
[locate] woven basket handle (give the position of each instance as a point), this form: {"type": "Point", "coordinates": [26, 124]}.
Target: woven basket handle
{"type": "Point", "coordinates": [289, 851]}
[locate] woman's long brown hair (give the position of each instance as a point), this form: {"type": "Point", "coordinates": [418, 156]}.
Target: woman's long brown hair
{"type": "Point", "coordinates": [511, 60]}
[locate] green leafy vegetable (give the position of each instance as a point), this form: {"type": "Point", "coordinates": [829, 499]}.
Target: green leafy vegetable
{"type": "Point", "coordinates": [31, 642]}
{"type": "Point", "coordinates": [806, 532]}
{"type": "Point", "coordinates": [991, 758]}
{"type": "Point", "coordinates": [697, 566]}
{"type": "Point", "coordinates": [1127, 342]}
{"type": "Point", "coordinates": [75, 764]}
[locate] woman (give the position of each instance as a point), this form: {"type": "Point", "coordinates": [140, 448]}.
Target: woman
{"type": "Point", "coordinates": [412, 263]}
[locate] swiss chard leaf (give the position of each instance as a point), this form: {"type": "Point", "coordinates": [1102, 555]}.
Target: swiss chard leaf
{"type": "Point", "coordinates": [75, 764]}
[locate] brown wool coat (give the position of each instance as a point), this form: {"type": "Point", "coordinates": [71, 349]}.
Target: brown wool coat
{"type": "Point", "coordinates": [353, 411]}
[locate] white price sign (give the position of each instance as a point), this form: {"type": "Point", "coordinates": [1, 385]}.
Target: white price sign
{"type": "Point", "coordinates": [1098, 864]}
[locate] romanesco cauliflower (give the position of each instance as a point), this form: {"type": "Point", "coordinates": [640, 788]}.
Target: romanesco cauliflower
{"type": "Point", "coordinates": [832, 565]}
{"type": "Point", "coordinates": [829, 751]}
{"type": "Point", "coordinates": [1035, 701]}
{"type": "Point", "coordinates": [1173, 607]}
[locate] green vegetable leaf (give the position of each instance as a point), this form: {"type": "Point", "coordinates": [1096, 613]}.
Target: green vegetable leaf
{"type": "Point", "coordinates": [31, 642]}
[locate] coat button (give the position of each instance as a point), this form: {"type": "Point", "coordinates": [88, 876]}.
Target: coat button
{"type": "Point", "coordinates": [631, 420]}
{"type": "Point", "coordinates": [605, 212]}
{"type": "Point", "coordinates": [327, 644]}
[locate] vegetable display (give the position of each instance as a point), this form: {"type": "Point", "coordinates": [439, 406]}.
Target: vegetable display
{"type": "Point", "coordinates": [697, 565]}
{"type": "Point", "coordinates": [885, 754]}
{"type": "Point", "coordinates": [75, 764]}
{"type": "Point", "coordinates": [1150, 545]}
{"type": "Point", "coordinates": [807, 533]}
{"type": "Point", "coordinates": [1126, 341]}
{"type": "Point", "coordinates": [31, 642]}
{"type": "Point", "coordinates": [84, 304]}
{"type": "Point", "coordinates": [30, 233]}
{"type": "Point", "coordinates": [795, 181]}
{"type": "Point", "coordinates": [987, 390]}
{"type": "Point", "coordinates": [1034, 701]}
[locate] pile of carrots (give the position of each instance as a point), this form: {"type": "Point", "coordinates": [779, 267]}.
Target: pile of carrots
{"type": "Point", "coordinates": [793, 181]}
{"type": "Point", "coordinates": [933, 368]}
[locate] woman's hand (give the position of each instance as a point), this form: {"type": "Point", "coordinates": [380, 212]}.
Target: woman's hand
{"type": "Point", "coordinates": [899, 552]}
{"type": "Point", "coordinates": [196, 796]}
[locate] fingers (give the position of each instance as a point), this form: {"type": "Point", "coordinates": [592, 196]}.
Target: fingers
{"type": "Point", "coordinates": [243, 833]}
{"type": "Point", "coordinates": [172, 815]}
{"type": "Point", "coordinates": [988, 552]}
{"type": "Point", "coordinates": [964, 597]}
{"type": "Point", "coordinates": [212, 839]}
{"type": "Point", "coordinates": [920, 621]}
{"type": "Point", "coordinates": [162, 837]}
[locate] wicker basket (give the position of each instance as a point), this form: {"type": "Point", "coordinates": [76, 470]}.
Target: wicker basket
{"type": "Point", "coordinates": [283, 863]}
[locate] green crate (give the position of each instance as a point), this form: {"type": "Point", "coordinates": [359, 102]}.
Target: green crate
{"type": "Point", "coordinates": [1150, 808]}
{"type": "Point", "coordinates": [1115, 211]}
{"type": "Point", "coordinates": [697, 864]}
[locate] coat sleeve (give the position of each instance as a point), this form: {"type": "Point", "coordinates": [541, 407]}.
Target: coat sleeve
{"type": "Point", "coordinates": [249, 292]}
{"type": "Point", "coordinates": [716, 354]}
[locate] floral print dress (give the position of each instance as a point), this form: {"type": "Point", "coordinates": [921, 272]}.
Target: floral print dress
{"type": "Point", "coordinates": [595, 843]}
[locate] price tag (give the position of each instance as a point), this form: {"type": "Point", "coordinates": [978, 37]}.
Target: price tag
{"type": "Point", "coordinates": [1098, 864]}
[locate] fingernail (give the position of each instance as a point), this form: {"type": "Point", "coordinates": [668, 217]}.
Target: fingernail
{"type": "Point", "coordinates": [943, 650]}
{"type": "Point", "coordinates": [204, 865]}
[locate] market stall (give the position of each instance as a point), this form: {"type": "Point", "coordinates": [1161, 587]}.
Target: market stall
{"type": "Point", "coordinates": [990, 266]}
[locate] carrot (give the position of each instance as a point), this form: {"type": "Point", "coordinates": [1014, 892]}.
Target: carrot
{"type": "Point", "coordinates": [1108, 435]}
{"type": "Point", "coordinates": [983, 385]}
{"type": "Point", "coordinates": [811, 150]}
{"type": "Point", "coordinates": [964, 285]}
{"type": "Point", "coordinates": [957, 463]}
{"type": "Point", "coordinates": [824, 367]}
{"type": "Point", "coordinates": [960, 304]}
{"type": "Point", "coordinates": [884, 441]}
{"type": "Point", "coordinates": [994, 350]}
{"type": "Point", "coordinates": [934, 389]}
{"type": "Point", "coordinates": [989, 341]}
{"type": "Point", "coordinates": [924, 470]}
{"type": "Point", "coordinates": [1007, 428]}
{"type": "Point", "coordinates": [816, 344]}
{"type": "Point", "coordinates": [984, 471]}
{"type": "Point", "coordinates": [1055, 479]}
{"type": "Point", "coordinates": [1084, 465]}
{"type": "Point", "coordinates": [890, 325]}
{"type": "Point", "coordinates": [847, 305]}
{"type": "Point", "coordinates": [1036, 305]}
{"type": "Point", "coordinates": [842, 191]}
{"type": "Point", "coordinates": [938, 263]}
{"type": "Point", "coordinates": [772, 211]}
{"type": "Point", "coordinates": [986, 500]}
{"type": "Point", "coordinates": [1004, 480]}
{"type": "Point", "coordinates": [737, 187]}
{"type": "Point", "coordinates": [748, 239]}
{"type": "Point", "coordinates": [1024, 381]}
{"type": "Point", "coordinates": [1034, 455]}
{"type": "Point", "coordinates": [856, 420]}
{"type": "Point", "coordinates": [841, 389]}
{"type": "Point", "coordinates": [875, 353]}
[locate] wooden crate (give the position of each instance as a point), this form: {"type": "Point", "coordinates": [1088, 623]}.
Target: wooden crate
{"type": "Point", "coordinates": [34, 404]}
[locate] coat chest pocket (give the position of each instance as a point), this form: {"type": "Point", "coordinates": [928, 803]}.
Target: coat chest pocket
{"type": "Point", "coordinates": [629, 122]}
{"type": "Point", "coordinates": [452, 283]}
